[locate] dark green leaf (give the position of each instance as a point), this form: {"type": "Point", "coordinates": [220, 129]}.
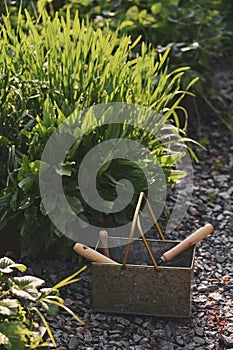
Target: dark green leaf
{"type": "Point", "coordinates": [75, 204]}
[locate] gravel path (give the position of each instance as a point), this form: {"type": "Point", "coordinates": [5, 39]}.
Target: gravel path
{"type": "Point", "coordinates": [211, 323]}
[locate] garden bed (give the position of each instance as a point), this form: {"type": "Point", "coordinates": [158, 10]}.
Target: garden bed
{"type": "Point", "coordinates": [210, 325]}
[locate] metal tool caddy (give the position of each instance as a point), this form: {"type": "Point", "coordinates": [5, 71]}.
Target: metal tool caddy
{"type": "Point", "coordinates": [139, 284]}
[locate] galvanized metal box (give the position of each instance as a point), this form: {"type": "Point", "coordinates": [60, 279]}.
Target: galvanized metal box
{"type": "Point", "coordinates": [139, 288]}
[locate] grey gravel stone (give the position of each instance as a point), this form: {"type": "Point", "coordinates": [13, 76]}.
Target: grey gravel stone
{"type": "Point", "coordinates": [73, 343]}
{"type": "Point", "coordinates": [226, 341]}
{"type": "Point", "coordinates": [137, 347]}
{"type": "Point", "coordinates": [167, 331]}
{"type": "Point", "coordinates": [179, 341]}
{"type": "Point", "coordinates": [217, 207]}
{"type": "Point", "coordinates": [199, 332]}
{"type": "Point", "coordinates": [229, 328]}
{"type": "Point", "coordinates": [145, 332]}
{"type": "Point", "coordinates": [199, 340]}
{"type": "Point", "coordinates": [167, 345]}
{"type": "Point", "coordinates": [88, 337]}
{"type": "Point", "coordinates": [136, 338]}
{"type": "Point", "coordinates": [220, 259]}
{"type": "Point", "coordinates": [158, 333]}
{"type": "Point", "coordinates": [138, 320]}
{"type": "Point", "coordinates": [191, 346]}
{"type": "Point", "coordinates": [123, 321]}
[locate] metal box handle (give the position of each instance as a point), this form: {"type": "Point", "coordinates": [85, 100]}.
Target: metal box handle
{"type": "Point", "coordinates": [136, 221]}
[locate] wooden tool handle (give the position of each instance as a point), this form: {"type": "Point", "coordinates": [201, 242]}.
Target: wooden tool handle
{"type": "Point", "coordinates": [92, 254]}
{"type": "Point", "coordinates": [188, 242]}
{"type": "Point", "coordinates": [104, 240]}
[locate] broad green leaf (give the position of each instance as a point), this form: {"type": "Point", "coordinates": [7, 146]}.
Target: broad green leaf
{"type": "Point", "coordinates": [133, 12]}
{"type": "Point", "coordinates": [176, 175]}
{"type": "Point", "coordinates": [6, 262]}
{"type": "Point", "coordinates": [75, 204]}
{"type": "Point", "coordinates": [25, 287]}
{"type": "Point", "coordinates": [156, 8]}
{"type": "Point", "coordinates": [5, 310]}
{"type": "Point", "coordinates": [27, 294]}
{"type": "Point", "coordinates": [27, 183]}
{"type": "Point", "coordinates": [25, 282]}
{"type": "Point", "coordinates": [15, 335]}
{"type": "Point", "coordinates": [9, 303]}
{"type": "Point", "coordinates": [49, 291]}
{"type": "Point", "coordinates": [125, 24]}
{"type": "Point", "coordinates": [64, 169]}
{"type": "Point", "coordinates": [171, 159]}
{"type": "Point", "coordinates": [7, 265]}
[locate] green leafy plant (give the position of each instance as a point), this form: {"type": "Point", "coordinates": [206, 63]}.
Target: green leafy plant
{"type": "Point", "coordinates": [24, 305]}
{"type": "Point", "coordinates": [175, 22]}
{"type": "Point", "coordinates": [199, 34]}
{"type": "Point", "coordinates": [53, 68]}
{"type": "Point", "coordinates": [196, 30]}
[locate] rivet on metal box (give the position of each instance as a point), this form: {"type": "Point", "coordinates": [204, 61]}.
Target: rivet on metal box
{"type": "Point", "coordinates": [161, 286]}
